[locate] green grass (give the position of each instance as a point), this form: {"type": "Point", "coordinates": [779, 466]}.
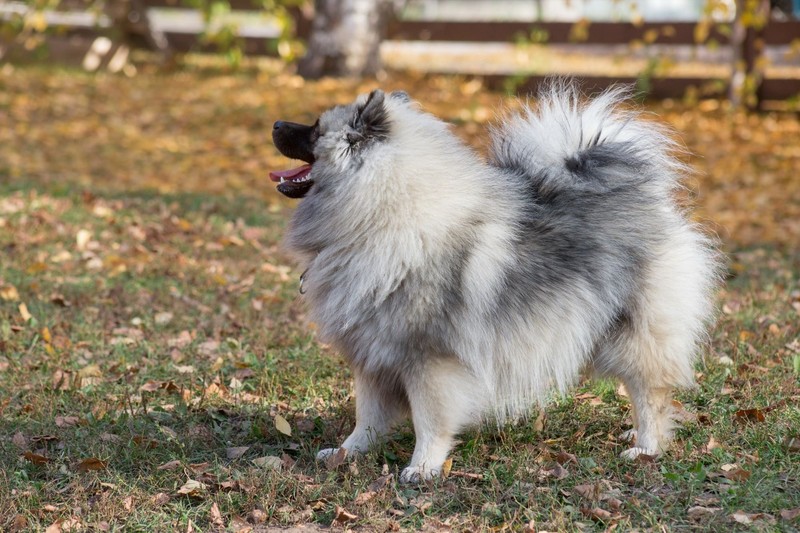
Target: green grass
{"type": "Point", "coordinates": [99, 333]}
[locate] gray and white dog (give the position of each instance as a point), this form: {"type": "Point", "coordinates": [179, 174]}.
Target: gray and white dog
{"type": "Point", "coordinates": [461, 290]}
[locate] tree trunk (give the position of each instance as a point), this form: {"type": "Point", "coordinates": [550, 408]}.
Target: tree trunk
{"type": "Point", "coordinates": [345, 38]}
{"type": "Point", "coordinates": [747, 43]}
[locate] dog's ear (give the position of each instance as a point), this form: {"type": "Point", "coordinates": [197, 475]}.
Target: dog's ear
{"type": "Point", "coordinates": [372, 121]}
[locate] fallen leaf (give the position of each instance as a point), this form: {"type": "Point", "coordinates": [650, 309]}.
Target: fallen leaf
{"type": "Point", "coordinates": [110, 437]}
{"type": "Point", "coordinates": [287, 461]}
{"type": "Point", "coordinates": [235, 385]}
{"type": "Point", "coordinates": [163, 318]}
{"type": "Point", "coordinates": [20, 441]}
{"type": "Point", "coordinates": [790, 514]}
{"type": "Point", "coordinates": [35, 458]}
{"type": "Point", "coordinates": [792, 444]}
{"type": "Point", "coordinates": [216, 516]}
{"type": "Point", "coordinates": [127, 503]}
{"type": "Point", "coordinates": [589, 491]}
{"type": "Point", "coordinates": [699, 512]}
{"type": "Point", "coordinates": [335, 460]}
{"type": "Point", "coordinates": [269, 461]}
{"type": "Point", "coordinates": [69, 524]}
{"type": "Point", "coordinates": [538, 424]}
{"type": "Point", "coordinates": [183, 339]}
{"type": "Point", "coordinates": [283, 426]}
{"type": "Point", "coordinates": [734, 472]}
{"type": "Point", "coordinates": [90, 371]}
{"type": "Point", "coordinates": [240, 525]}
{"type": "Point", "coordinates": [150, 386]}
{"type": "Point", "coordinates": [199, 468]}
{"type": "Point", "coordinates": [447, 466]}
{"type": "Point", "coordinates": [144, 442]}
{"type": "Point", "coordinates": [192, 488]}
{"type": "Point", "coordinates": [70, 421]}
{"type": "Point", "coordinates": [706, 499]}
{"type": "Point", "coordinates": [555, 472]}
{"type": "Point", "coordinates": [44, 439]}
{"type": "Point", "coordinates": [711, 445]}
{"type": "Point", "coordinates": [236, 452]}
{"type": "Point", "coordinates": [563, 458]}
{"type": "Point", "coordinates": [341, 516]}
{"type": "Point", "coordinates": [62, 380]}
{"type": "Point", "coordinates": [749, 415]}
{"type": "Point", "coordinates": [208, 348]}
{"type": "Point", "coordinates": [160, 499]}
{"type": "Point", "coordinates": [171, 465]}
{"type": "Point", "coordinates": [23, 311]}
{"type": "Point", "coordinates": [374, 488]}
{"type": "Point", "coordinates": [92, 463]}
{"type": "Point", "coordinates": [9, 293]}
{"type": "Point", "coordinates": [748, 518]}
{"type": "Point", "coordinates": [597, 513]}
{"type": "Point", "coordinates": [18, 523]}
{"type": "Point", "coordinates": [257, 516]}
{"type": "Point", "coordinates": [82, 239]}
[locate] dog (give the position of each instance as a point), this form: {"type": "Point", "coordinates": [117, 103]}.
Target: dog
{"type": "Point", "coordinates": [462, 289]}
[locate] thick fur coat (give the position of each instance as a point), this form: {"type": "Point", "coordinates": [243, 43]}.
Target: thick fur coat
{"type": "Point", "coordinates": [461, 289]}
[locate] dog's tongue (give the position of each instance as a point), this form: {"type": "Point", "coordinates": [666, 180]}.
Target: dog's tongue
{"type": "Point", "coordinates": [291, 174]}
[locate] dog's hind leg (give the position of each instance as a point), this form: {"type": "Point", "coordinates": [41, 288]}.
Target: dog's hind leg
{"type": "Point", "coordinates": [444, 397]}
{"type": "Point", "coordinates": [653, 345]}
{"type": "Point", "coordinates": [380, 405]}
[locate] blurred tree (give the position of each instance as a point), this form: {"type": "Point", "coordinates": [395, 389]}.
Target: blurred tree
{"type": "Point", "coordinates": [345, 38]}
{"type": "Point", "coordinates": [747, 45]}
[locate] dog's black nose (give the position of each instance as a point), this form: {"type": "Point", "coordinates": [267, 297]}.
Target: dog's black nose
{"type": "Point", "coordinates": [277, 125]}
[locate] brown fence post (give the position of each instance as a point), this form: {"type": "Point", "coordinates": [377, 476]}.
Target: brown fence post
{"type": "Point", "coordinates": [747, 42]}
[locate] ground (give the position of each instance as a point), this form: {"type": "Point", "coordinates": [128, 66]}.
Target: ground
{"type": "Point", "coordinates": [157, 373]}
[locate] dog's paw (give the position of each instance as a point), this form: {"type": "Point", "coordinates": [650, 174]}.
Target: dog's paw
{"type": "Point", "coordinates": [628, 436]}
{"type": "Point", "coordinates": [418, 474]}
{"type": "Point", "coordinates": [326, 454]}
{"type": "Point", "coordinates": [634, 453]}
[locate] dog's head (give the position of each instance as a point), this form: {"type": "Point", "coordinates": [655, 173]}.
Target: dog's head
{"type": "Point", "coordinates": [339, 137]}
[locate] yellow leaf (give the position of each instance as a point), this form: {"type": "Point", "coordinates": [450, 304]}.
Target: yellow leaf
{"type": "Point", "coordinates": [82, 239]}
{"type": "Point", "coordinates": [90, 371]}
{"type": "Point", "coordinates": [283, 426]}
{"type": "Point", "coordinates": [23, 311]}
{"type": "Point", "coordinates": [9, 293]}
{"type": "Point", "coordinates": [447, 466]}
{"type": "Point", "coordinates": [36, 268]}
{"type": "Point", "coordinates": [46, 335]}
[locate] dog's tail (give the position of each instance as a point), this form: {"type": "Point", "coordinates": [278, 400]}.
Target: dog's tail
{"type": "Point", "coordinates": [566, 142]}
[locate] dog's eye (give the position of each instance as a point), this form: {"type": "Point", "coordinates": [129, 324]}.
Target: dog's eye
{"type": "Point", "coordinates": [315, 133]}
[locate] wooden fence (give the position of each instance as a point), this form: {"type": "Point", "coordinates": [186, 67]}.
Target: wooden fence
{"type": "Point", "coordinates": [775, 33]}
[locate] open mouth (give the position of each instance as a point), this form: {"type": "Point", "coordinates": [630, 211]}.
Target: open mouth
{"type": "Point", "coordinates": [294, 182]}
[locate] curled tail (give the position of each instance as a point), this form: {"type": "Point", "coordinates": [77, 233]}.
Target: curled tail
{"type": "Point", "coordinates": [596, 145]}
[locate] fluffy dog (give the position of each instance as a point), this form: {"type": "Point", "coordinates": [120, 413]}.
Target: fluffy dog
{"type": "Point", "coordinates": [461, 289]}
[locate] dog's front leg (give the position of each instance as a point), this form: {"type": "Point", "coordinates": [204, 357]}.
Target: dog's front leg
{"type": "Point", "coordinates": [380, 405]}
{"type": "Point", "coordinates": [444, 397]}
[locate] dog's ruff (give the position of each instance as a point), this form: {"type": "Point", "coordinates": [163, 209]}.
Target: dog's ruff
{"type": "Point", "coordinates": [461, 290]}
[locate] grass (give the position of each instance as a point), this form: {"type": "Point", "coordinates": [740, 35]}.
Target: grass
{"type": "Point", "coordinates": [165, 335]}
{"type": "Point", "coordinates": [99, 333]}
